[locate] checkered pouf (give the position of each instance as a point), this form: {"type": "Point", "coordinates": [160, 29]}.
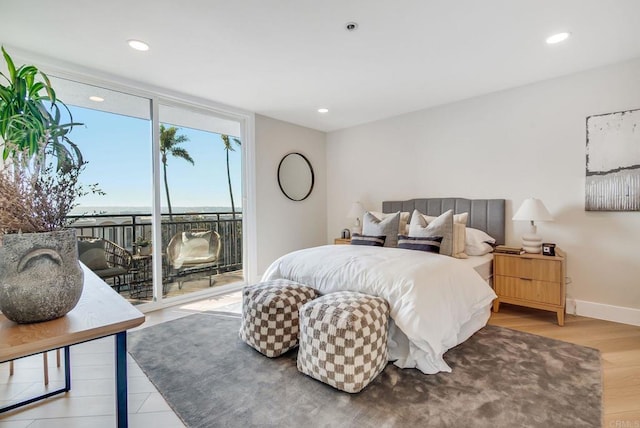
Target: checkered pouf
{"type": "Point", "coordinates": [343, 339]}
{"type": "Point", "coordinates": [270, 315]}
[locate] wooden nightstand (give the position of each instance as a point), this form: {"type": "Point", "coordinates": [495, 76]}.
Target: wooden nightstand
{"type": "Point", "coordinates": [531, 280]}
{"type": "Point", "coordinates": [342, 241]}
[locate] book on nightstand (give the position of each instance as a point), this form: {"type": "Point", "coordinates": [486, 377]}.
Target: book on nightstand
{"type": "Point", "coordinates": [503, 249]}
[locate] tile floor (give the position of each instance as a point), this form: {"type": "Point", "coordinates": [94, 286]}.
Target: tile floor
{"type": "Point", "coordinates": [91, 401]}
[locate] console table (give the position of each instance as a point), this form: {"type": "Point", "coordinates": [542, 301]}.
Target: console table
{"type": "Point", "coordinates": [100, 312]}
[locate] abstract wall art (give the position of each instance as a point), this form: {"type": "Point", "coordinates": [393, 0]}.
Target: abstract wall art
{"type": "Point", "coordinates": [613, 162]}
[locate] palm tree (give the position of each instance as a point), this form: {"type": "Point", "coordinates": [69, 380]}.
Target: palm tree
{"type": "Point", "coordinates": [169, 143]}
{"type": "Point", "coordinates": [228, 147]}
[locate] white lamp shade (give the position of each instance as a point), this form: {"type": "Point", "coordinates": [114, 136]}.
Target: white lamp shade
{"type": "Point", "coordinates": [532, 209]}
{"type": "Point", "coordinates": [356, 210]}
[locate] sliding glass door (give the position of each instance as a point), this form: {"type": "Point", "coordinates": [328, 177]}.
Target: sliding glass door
{"type": "Point", "coordinates": [201, 210]}
{"type": "Point", "coordinates": [188, 237]}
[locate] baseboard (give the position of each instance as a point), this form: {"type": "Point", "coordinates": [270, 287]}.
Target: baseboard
{"type": "Point", "coordinates": [601, 311]}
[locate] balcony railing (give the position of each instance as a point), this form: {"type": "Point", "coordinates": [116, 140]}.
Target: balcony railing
{"type": "Point", "coordinates": [125, 229]}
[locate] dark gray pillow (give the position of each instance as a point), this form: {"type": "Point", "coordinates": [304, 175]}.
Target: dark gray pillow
{"type": "Point", "coordinates": [92, 254]}
{"type": "Point", "coordinates": [388, 227]}
{"type": "Point", "coordinates": [372, 241]}
{"type": "Point", "coordinates": [430, 244]}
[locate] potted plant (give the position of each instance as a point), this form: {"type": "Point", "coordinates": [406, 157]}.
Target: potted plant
{"type": "Point", "coordinates": [40, 276]}
{"type": "Point", "coordinates": [143, 246]}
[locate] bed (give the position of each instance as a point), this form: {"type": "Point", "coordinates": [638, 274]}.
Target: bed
{"type": "Point", "coordinates": [437, 301]}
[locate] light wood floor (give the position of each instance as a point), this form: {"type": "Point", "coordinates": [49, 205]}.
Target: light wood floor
{"type": "Point", "coordinates": [90, 402]}
{"type": "Point", "coordinates": [619, 346]}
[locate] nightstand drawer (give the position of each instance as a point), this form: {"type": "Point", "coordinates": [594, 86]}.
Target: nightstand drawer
{"type": "Point", "coordinates": [528, 289]}
{"type": "Point", "coordinates": [522, 267]}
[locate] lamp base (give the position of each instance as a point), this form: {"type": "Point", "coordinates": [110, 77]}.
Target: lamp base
{"type": "Point", "coordinates": [356, 228]}
{"type": "Point", "coordinates": [532, 243]}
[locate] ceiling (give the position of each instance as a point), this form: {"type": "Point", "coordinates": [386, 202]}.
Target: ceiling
{"type": "Point", "coordinates": [287, 58]}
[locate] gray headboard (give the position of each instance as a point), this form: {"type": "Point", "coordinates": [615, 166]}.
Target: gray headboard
{"type": "Point", "coordinates": [484, 214]}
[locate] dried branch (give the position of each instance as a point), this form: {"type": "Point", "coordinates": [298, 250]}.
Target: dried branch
{"type": "Point", "coordinates": [39, 202]}
{"type": "Point", "coordinates": [16, 197]}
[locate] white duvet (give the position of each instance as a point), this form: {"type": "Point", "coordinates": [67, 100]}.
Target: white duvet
{"type": "Point", "coordinates": [436, 301]}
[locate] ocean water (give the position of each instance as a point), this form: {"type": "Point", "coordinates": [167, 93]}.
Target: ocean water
{"type": "Point", "coordinates": [121, 210]}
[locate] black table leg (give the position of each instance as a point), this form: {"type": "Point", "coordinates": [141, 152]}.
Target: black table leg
{"type": "Point", "coordinates": [67, 385]}
{"type": "Point", "coordinates": [121, 380]}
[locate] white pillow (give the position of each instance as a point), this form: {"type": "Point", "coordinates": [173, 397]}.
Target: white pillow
{"type": "Point", "coordinates": [459, 237]}
{"type": "Point", "coordinates": [403, 227]}
{"type": "Point", "coordinates": [477, 242]}
{"type": "Point", "coordinates": [195, 244]}
{"type": "Point", "coordinates": [457, 218]}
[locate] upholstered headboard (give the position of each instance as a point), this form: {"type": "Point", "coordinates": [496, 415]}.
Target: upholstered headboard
{"type": "Point", "coordinates": [484, 214]}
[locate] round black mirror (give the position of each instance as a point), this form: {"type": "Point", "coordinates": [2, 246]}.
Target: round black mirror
{"type": "Point", "coordinates": [295, 176]}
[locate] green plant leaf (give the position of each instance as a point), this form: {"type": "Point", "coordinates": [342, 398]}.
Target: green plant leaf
{"type": "Point", "coordinates": [36, 87]}
{"type": "Point", "coordinates": [25, 71]}
{"type": "Point", "coordinates": [28, 80]}
{"type": "Point", "coordinates": [5, 94]}
{"type": "Point", "coordinates": [50, 91]}
{"type": "Point", "coordinates": [10, 66]}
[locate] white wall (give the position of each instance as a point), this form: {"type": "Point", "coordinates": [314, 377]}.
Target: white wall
{"type": "Point", "coordinates": [524, 142]}
{"type": "Point", "coordinates": [284, 225]}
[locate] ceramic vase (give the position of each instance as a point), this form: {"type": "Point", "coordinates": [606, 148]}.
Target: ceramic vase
{"type": "Point", "coordinates": [40, 276]}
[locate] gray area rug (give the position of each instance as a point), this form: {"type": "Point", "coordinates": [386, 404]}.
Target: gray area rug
{"type": "Point", "coordinates": [500, 378]}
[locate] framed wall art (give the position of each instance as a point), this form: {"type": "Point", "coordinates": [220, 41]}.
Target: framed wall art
{"type": "Point", "coordinates": [613, 162]}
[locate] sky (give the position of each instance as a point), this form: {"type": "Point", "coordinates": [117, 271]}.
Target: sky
{"type": "Point", "coordinates": [119, 155]}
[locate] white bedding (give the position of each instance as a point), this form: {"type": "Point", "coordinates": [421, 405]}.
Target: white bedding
{"type": "Point", "coordinates": [436, 301]}
{"type": "Point", "coordinates": [481, 264]}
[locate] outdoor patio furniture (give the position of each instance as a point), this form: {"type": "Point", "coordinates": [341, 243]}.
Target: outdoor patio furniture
{"type": "Point", "coordinates": [192, 253]}
{"type": "Point", "coordinates": [141, 278]}
{"type": "Point", "coordinates": [106, 259]}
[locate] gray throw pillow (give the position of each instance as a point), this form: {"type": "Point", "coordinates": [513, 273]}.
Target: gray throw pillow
{"type": "Point", "coordinates": [440, 226]}
{"type": "Point", "coordinates": [92, 254]}
{"type": "Point", "coordinates": [388, 227]}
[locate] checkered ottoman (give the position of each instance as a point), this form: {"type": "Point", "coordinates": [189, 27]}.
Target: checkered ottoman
{"type": "Point", "coordinates": [343, 339]}
{"type": "Point", "coordinates": [270, 315]}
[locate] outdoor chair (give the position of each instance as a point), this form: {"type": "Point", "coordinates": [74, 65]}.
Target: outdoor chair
{"type": "Point", "coordinates": [106, 259]}
{"type": "Point", "coordinates": [193, 253]}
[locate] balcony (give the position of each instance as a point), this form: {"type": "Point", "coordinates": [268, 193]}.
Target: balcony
{"type": "Point", "coordinates": [124, 230]}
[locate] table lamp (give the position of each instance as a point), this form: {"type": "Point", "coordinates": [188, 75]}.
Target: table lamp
{"type": "Point", "coordinates": [532, 210]}
{"type": "Point", "coordinates": [356, 212]}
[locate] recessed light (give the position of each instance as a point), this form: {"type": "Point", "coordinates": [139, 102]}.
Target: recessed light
{"type": "Point", "coordinates": [557, 38]}
{"type": "Point", "coordinates": [96, 98]}
{"type": "Point", "coordinates": [351, 26]}
{"type": "Point", "coordinates": [138, 45]}
{"type": "Point", "coordinates": [323, 110]}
